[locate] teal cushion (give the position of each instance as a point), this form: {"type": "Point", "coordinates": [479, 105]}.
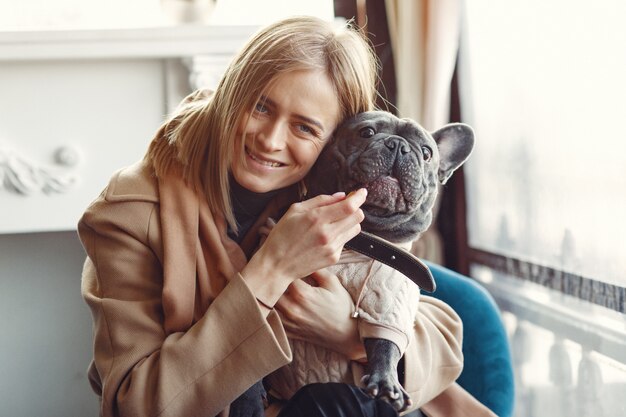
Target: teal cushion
{"type": "Point", "coordinates": [487, 371]}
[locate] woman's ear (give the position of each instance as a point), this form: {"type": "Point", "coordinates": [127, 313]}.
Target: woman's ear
{"type": "Point", "coordinates": [455, 142]}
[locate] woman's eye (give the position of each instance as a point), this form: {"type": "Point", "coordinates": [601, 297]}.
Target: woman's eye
{"type": "Point", "coordinates": [367, 132]}
{"type": "Point", "coordinates": [308, 131]}
{"type": "Point", "coordinates": [305, 129]}
{"type": "Point", "coordinates": [427, 153]}
{"type": "Point", "coordinates": [260, 108]}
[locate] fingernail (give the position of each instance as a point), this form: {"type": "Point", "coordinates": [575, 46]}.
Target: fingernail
{"type": "Point", "coordinates": [362, 190]}
{"type": "Point", "coordinates": [339, 194]}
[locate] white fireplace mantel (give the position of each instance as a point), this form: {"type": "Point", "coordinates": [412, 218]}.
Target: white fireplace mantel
{"type": "Point", "coordinates": [77, 105]}
{"type": "Point", "coordinates": [153, 42]}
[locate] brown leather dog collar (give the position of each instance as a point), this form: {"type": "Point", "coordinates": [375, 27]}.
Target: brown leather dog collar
{"type": "Point", "coordinates": [399, 259]}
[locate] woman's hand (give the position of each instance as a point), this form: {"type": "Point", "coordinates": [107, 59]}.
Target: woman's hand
{"type": "Point", "coordinates": [309, 237]}
{"type": "Point", "coordinates": [321, 314]}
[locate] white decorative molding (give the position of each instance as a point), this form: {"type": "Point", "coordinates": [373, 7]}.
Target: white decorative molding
{"type": "Point", "coordinates": [155, 42]}
{"type": "Point", "coordinates": [117, 84]}
{"type": "Point", "coordinates": [21, 176]}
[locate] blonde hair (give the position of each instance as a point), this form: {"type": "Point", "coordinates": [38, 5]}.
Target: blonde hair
{"type": "Point", "coordinates": [198, 141]}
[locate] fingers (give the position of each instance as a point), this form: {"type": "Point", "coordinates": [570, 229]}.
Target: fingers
{"type": "Point", "coordinates": [349, 227]}
{"type": "Point", "coordinates": [321, 201]}
{"type": "Point", "coordinates": [311, 235]}
{"type": "Point", "coordinates": [286, 308]}
{"type": "Point", "coordinates": [292, 313]}
{"type": "Point", "coordinates": [299, 287]}
{"type": "Point", "coordinates": [332, 208]}
{"type": "Point", "coordinates": [325, 279]}
{"type": "Point", "coordinates": [345, 208]}
{"type": "Point", "coordinates": [297, 293]}
{"type": "Point", "coordinates": [335, 220]}
{"type": "Point", "coordinates": [343, 229]}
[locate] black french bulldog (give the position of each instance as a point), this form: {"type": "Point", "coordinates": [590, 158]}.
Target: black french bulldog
{"type": "Point", "coordinates": [401, 165]}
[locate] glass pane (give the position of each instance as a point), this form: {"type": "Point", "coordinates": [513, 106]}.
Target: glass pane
{"type": "Point", "coordinates": [544, 86]}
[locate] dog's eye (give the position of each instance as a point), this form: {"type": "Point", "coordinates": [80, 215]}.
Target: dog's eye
{"type": "Point", "coordinates": [427, 153]}
{"type": "Point", "coordinates": [367, 132]}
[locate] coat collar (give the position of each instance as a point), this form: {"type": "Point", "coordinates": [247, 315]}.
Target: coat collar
{"type": "Point", "coordinates": [134, 183]}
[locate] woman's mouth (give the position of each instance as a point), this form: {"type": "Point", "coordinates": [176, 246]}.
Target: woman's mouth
{"type": "Point", "coordinates": [261, 161]}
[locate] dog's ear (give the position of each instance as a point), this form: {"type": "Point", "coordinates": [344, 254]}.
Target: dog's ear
{"type": "Point", "coordinates": [323, 176]}
{"type": "Point", "coordinates": [455, 142]}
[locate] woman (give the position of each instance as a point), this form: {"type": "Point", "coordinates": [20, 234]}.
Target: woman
{"type": "Point", "coordinates": [184, 317]}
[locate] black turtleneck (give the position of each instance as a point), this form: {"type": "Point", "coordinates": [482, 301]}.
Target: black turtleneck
{"type": "Point", "coordinates": [247, 206]}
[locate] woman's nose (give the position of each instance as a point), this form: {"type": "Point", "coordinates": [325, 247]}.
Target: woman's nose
{"type": "Point", "coordinates": [272, 137]}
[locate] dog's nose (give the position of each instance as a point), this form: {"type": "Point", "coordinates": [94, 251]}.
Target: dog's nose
{"type": "Point", "coordinates": [394, 142]}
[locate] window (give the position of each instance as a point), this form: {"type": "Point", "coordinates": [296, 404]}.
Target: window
{"type": "Point", "coordinates": [543, 85]}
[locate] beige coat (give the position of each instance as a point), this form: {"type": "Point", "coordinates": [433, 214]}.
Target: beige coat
{"type": "Point", "coordinates": [149, 362]}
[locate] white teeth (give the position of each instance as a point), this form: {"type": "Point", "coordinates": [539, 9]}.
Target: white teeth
{"type": "Point", "coordinates": [262, 162]}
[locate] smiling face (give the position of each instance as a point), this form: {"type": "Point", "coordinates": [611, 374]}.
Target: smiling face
{"type": "Point", "coordinates": [284, 134]}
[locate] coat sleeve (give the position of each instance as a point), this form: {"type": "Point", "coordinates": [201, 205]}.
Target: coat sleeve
{"type": "Point", "coordinates": [138, 369]}
{"type": "Point", "coordinates": [434, 359]}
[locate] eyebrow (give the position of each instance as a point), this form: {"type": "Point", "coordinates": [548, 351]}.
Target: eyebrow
{"type": "Point", "coordinates": [314, 122]}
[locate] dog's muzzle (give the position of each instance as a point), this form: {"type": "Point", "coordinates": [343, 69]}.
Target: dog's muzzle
{"type": "Point", "coordinates": [389, 173]}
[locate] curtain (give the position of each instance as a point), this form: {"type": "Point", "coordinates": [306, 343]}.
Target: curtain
{"type": "Point", "coordinates": [425, 39]}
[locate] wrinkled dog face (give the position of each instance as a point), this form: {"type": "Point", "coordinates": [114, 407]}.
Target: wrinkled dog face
{"type": "Point", "coordinates": [399, 163]}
